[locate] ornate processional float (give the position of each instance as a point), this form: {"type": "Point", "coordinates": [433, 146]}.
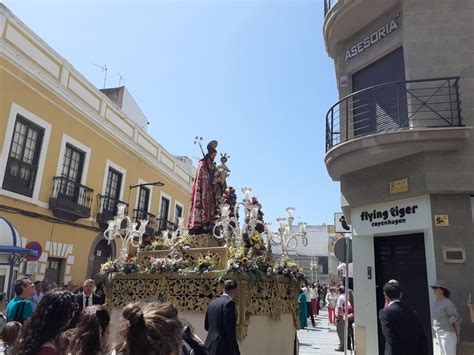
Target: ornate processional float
{"type": "Point", "coordinates": [186, 266]}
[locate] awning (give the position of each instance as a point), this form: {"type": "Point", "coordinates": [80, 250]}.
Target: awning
{"type": "Point", "coordinates": [17, 250]}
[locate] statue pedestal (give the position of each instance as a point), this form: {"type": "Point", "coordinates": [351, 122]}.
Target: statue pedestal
{"type": "Point", "coordinates": [267, 312]}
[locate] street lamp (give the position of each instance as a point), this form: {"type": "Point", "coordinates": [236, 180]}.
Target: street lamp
{"type": "Point", "coordinates": [130, 235]}
{"type": "Point", "coordinates": [284, 235]}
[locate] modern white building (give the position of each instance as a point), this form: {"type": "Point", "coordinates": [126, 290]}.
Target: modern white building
{"type": "Point", "coordinates": [314, 257]}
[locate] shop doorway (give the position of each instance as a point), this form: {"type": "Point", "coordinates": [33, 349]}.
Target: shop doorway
{"type": "Point", "coordinates": [403, 258]}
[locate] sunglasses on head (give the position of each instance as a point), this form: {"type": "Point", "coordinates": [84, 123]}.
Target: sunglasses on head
{"type": "Point", "coordinates": [434, 288]}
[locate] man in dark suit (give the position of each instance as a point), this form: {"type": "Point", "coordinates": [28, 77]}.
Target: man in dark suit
{"type": "Point", "coordinates": [220, 323]}
{"type": "Point", "coordinates": [401, 326]}
{"type": "Point", "coordinates": [87, 297]}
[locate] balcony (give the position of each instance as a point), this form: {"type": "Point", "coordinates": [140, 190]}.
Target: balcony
{"type": "Point", "coordinates": [163, 224]}
{"type": "Point", "coordinates": [107, 209]}
{"type": "Point", "coordinates": [70, 200]}
{"type": "Point", "coordinates": [391, 121]}
{"type": "Point", "coordinates": [142, 214]}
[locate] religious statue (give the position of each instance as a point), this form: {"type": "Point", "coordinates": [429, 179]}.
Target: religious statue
{"type": "Point", "coordinates": [203, 199]}
{"type": "Point", "coordinates": [220, 178]}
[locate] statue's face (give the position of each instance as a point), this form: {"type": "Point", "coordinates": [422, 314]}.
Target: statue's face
{"type": "Point", "coordinates": [213, 156]}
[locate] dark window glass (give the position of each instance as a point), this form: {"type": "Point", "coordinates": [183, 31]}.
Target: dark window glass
{"type": "Point", "coordinates": [73, 164]}
{"type": "Point", "coordinates": [178, 212]}
{"type": "Point", "coordinates": [22, 165]}
{"type": "Point", "coordinates": [143, 197]}
{"type": "Point", "coordinates": [112, 189]}
{"type": "Point", "coordinates": [164, 210]}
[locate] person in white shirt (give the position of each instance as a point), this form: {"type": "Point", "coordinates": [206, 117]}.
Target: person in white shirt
{"type": "Point", "coordinates": [38, 296]}
{"type": "Point", "coordinates": [340, 304]}
{"type": "Point", "coordinates": [307, 293]}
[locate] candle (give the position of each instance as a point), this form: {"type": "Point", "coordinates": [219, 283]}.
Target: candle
{"type": "Point", "coordinates": [121, 209]}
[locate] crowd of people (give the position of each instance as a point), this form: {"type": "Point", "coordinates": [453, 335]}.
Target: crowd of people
{"type": "Point", "coordinates": [60, 322]}
{"type": "Point", "coordinates": [314, 297]}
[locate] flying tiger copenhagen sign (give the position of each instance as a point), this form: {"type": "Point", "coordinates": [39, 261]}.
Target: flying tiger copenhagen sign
{"type": "Point", "coordinates": [372, 39]}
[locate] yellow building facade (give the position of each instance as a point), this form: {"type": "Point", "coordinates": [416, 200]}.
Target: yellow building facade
{"type": "Point", "coordinates": [69, 154]}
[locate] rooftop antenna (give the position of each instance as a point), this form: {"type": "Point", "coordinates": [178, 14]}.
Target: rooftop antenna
{"type": "Point", "coordinates": [104, 70]}
{"type": "Point", "coordinates": [121, 78]}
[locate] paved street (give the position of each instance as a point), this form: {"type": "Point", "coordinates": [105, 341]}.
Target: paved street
{"type": "Point", "coordinates": [320, 340]}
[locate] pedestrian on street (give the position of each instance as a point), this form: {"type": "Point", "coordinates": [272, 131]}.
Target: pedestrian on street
{"type": "Point", "coordinates": [446, 319]}
{"type": "Point", "coordinates": [38, 294]}
{"type": "Point", "coordinates": [20, 308]}
{"type": "Point", "coordinates": [303, 309]}
{"type": "Point", "coordinates": [401, 326]}
{"type": "Point", "coordinates": [220, 323]}
{"type": "Point", "coordinates": [41, 333]}
{"type": "Point", "coordinates": [341, 300]}
{"type": "Point", "coordinates": [331, 300]}
{"type": "Point", "coordinates": [87, 297]}
{"type": "Point", "coordinates": [309, 309]}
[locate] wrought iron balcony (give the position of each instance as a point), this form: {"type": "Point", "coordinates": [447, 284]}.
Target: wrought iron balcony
{"type": "Point", "coordinates": [400, 105]}
{"type": "Point", "coordinates": [327, 5]}
{"type": "Point", "coordinates": [107, 208]}
{"type": "Point", "coordinates": [70, 199]}
{"type": "Point", "coordinates": [142, 214]}
{"type": "Point", "coordinates": [163, 224]}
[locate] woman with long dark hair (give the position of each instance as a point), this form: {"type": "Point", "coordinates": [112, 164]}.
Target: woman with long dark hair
{"type": "Point", "coordinates": [41, 331]}
{"type": "Point", "coordinates": [150, 329]}
{"type": "Point", "coordinates": [91, 335]}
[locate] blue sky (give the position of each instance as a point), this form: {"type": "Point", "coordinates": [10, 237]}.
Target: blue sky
{"type": "Point", "coordinates": [252, 74]}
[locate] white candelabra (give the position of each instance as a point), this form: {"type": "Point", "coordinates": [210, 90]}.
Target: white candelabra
{"type": "Point", "coordinates": [284, 235]}
{"type": "Point", "coordinates": [228, 228]}
{"type": "Point", "coordinates": [181, 230]}
{"type": "Point", "coordinates": [131, 235]}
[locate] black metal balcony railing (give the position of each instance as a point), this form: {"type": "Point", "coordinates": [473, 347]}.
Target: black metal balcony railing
{"type": "Point", "coordinates": [107, 208]}
{"type": "Point", "coordinates": [141, 214]}
{"type": "Point", "coordinates": [164, 224]}
{"type": "Point", "coordinates": [327, 5]}
{"type": "Point", "coordinates": [399, 105]}
{"type": "Point", "coordinates": [70, 199]}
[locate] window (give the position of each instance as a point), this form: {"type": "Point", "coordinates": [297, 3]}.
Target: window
{"type": "Point", "coordinates": [164, 210]}
{"type": "Point", "coordinates": [73, 163]}
{"type": "Point", "coordinates": [114, 182]}
{"type": "Point", "coordinates": [143, 198]}
{"type": "Point", "coordinates": [178, 212]}
{"type": "Point", "coordinates": [53, 269]}
{"type": "Point", "coordinates": [112, 189]}
{"type": "Point", "coordinates": [23, 158]}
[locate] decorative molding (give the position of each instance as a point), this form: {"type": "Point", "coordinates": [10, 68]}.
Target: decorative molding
{"type": "Point", "coordinates": [24, 44]}
{"type": "Point", "coordinates": [80, 90]}
{"type": "Point", "coordinates": [145, 143]}
{"type": "Point", "coordinates": [119, 122]}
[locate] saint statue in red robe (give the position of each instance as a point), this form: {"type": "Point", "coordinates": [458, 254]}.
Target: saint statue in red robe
{"type": "Point", "coordinates": [203, 199]}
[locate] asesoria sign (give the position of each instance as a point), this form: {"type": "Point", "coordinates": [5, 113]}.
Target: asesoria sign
{"type": "Point", "coordinates": [372, 39]}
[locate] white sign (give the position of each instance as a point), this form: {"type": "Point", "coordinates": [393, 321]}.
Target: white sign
{"type": "Point", "coordinates": [372, 39]}
{"type": "Point", "coordinates": [31, 267]}
{"type": "Point", "coordinates": [340, 224]}
{"type": "Point", "coordinates": [395, 216]}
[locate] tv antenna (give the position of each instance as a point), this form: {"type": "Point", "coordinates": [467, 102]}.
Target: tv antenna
{"type": "Point", "coordinates": [104, 70]}
{"type": "Point", "coordinates": [121, 78]}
